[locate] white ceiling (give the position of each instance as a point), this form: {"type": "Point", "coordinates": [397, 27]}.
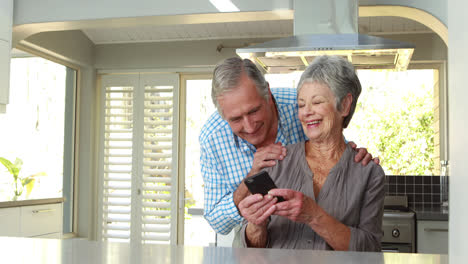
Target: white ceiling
{"type": "Point", "coordinates": [237, 30]}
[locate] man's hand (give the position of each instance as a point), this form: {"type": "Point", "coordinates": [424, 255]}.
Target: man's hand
{"type": "Point", "coordinates": [267, 157]}
{"type": "Point", "coordinates": [263, 158]}
{"type": "Point", "coordinates": [362, 155]}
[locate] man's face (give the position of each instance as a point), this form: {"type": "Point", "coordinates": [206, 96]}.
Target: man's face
{"type": "Point", "coordinates": [249, 115]}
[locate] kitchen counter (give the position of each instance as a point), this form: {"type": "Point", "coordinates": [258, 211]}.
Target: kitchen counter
{"type": "Point", "coordinates": [41, 251]}
{"type": "Point", "coordinates": [17, 203]}
{"type": "Point", "coordinates": [432, 213]}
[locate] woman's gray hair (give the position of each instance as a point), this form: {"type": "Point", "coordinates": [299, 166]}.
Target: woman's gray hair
{"type": "Point", "coordinates": [227, 74]}
{"type": "Point", "coordinates": [339, 75]}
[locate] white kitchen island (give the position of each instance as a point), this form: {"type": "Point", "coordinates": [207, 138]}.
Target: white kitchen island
{"type": "Point", "coordinates": [54, 251]}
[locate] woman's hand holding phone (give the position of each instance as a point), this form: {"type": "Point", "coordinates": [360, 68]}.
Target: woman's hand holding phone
{"type": "Point", "coordinates": [261, 183]}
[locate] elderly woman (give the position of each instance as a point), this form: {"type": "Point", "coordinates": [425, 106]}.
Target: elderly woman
{"type": "Point", "coordinates": [331, 202]}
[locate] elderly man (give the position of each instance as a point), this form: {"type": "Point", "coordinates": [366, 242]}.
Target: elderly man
{"type": "Point", "coordinates": [249, 131]}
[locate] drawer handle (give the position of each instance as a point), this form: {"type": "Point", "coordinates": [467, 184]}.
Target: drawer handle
{"type": "Point", "coordinates": [42, 211]}
{"type": "Point", "coordinates": [436, 229]}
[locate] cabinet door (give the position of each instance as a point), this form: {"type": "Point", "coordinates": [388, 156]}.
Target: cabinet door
{"type": "Point", "coordinates": [41, 219]}
{"type": "Point", "coordinates": [4, 71]}
{"type": "Point", "coordinates": [433, 237]}
{"type": "Point", "coordinates": [6, 23]}
{"type": "Point", "coordinates": [9, 221]}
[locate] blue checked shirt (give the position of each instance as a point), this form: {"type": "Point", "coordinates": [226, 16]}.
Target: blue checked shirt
{"type": "Point", "coordinates": [226, 159]}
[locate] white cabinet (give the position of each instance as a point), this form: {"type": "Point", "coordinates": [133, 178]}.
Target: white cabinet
{"type": "Point", "coordinates": [432, 237]}
{"type": "Point", "coordinates": [39, 220]}
{"type": "Point", "coordinates": [4, 72]}
{"type": "Point", "coordinates": [9, 224]}
{"type": "Point", "coordinates": [32, 221]}
{"type": "Point", "coordinates": [6, 24]}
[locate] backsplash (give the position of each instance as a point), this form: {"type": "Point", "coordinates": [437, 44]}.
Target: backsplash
{"type": "Point", "coordinates": [421, 191]}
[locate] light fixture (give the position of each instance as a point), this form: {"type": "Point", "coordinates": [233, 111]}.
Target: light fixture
{"type": "Point", "coordinates": [224, 6]}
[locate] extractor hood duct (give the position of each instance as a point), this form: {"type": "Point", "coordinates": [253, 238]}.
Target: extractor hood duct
{"type": "Point", "coordinates": [328, 27]}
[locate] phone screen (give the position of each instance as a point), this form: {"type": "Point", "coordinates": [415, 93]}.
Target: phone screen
{"type": "Point", "coordinates": [261, 183]}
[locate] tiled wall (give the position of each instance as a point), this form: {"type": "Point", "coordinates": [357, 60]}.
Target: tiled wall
{"type": "Point", "coordinates": [420, 190]}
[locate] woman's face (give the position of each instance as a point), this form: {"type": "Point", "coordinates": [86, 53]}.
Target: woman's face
{"type": "Point", "coordinates": [317, 112]}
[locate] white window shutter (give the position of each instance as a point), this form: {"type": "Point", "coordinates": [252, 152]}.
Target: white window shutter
{"type": "Point", "coordinates": [117, 152]}
{"type": "Point", "coordinates": [139, 164]}
{"type": "Point", "coordinates": [159, 158]}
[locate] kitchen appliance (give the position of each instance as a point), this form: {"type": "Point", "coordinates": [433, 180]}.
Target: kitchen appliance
{"type": "Point", "coordinates": [327, 27]}
{"type": "Point", "coordinates": [398, 225]}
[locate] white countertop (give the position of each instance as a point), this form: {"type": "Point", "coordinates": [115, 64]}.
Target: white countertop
{"type": "Point", "coordinates": [51, 251]}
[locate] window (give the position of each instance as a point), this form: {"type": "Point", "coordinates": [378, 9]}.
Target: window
{"type": "Point", "coordinates": [138, 197]}
{"type": "Point", "coordinates": [198, 107]}
{"type": "Point", "coordinates": [38, 129]}
{"type": "Point", "coordinates": [397, 119]}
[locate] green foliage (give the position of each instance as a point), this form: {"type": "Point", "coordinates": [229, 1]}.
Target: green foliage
{"type": "Point", "coordinates": [19, 183]}
{"type": "Point", "coordinates": [397, 125]}
{"type": "Point", "coordinates": [189, 201]}
{"type": "Point", "coordinates": [13, 168]}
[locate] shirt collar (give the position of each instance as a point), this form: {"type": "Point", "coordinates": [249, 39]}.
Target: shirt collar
{"type": "Point", "coordinates": [243, 144]}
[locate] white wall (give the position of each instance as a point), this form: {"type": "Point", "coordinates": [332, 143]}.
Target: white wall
{"type": "Point", "coordinates": [458, 131]}
{"type": "Point", "coordinates": [437, 8]}
{"type": "Point", "coordinates": [33, 11]}
{"type": "Point", "coordinates": [72, 45]}
{"type": "Point", "coordinates": [177, 54]}
{"type": "Point", "coordinates": [429, 46]}
{"type": "Point", "coordinates": [87, 189]}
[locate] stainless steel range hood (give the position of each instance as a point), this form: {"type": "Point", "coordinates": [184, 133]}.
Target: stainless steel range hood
{"type": "Point", "coordinates": [327, 27]}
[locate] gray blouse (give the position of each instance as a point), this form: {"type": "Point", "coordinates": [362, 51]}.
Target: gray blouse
{"type": "Point", "coordinates": [352, 193]}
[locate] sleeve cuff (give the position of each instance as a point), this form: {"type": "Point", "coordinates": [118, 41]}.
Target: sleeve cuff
{"type": "Point", "coordinates": [233, 212]}
{"type": "Point", "coordinates": [352, 239]}
{"type": "Point", "coordinates": [358, 241]}
{"type": "Point", "coordinates": [243, 240]}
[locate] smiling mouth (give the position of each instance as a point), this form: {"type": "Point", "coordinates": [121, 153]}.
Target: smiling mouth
{"type": "Point", "coordinates": [311, 123]}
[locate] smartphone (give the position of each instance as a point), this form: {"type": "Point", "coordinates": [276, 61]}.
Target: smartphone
{"type": "Point", "coordinates": [261, 183]}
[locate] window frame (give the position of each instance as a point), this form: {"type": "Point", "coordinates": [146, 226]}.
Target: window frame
{"type": "Point", "coordinates": [74, 141]}
{"type": "Point", "coordinates": [182, 141]}
{"type": "Point", "coordinates": [441, 67]}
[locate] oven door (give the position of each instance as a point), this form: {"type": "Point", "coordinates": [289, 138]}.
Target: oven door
{"type": "Point", "coordinates": [397, 248]}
